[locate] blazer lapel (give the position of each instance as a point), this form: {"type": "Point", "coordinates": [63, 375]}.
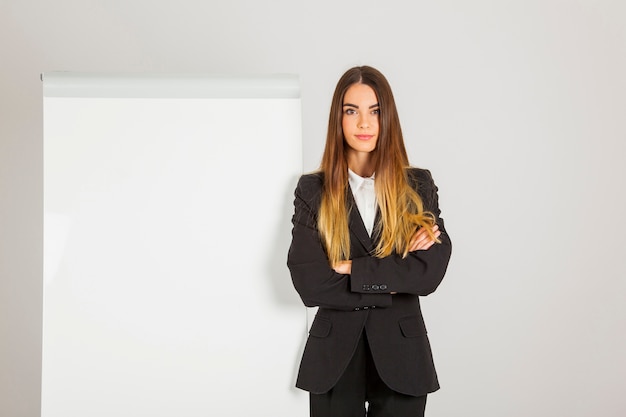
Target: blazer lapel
{"type": "Point", "coordinates": [355, 223]}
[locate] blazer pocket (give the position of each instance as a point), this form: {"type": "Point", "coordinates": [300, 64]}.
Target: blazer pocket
{"type": "Point", "coordinates": [320, 327]}
{"type": "Point", "coordinates": [412, 326]}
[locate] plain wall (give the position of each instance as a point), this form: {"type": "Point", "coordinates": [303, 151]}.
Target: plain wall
{"type": "Point", "coordinates": [517, 107]}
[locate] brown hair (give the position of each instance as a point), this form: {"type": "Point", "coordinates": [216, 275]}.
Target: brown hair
{"type": "Point", "coordinates": [402, 211]}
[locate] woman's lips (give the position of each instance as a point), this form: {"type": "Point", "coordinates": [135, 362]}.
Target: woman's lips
{"type": "Point", "coordinates": [364, 137]}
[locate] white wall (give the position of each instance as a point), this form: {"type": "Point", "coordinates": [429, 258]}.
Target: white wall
{"type": "Point", "coordinates": [517, 107]}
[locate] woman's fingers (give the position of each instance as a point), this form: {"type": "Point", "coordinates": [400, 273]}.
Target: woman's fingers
{"type": "Point", "coordinates": [422, 241]}
{"type": "Point", "coordinates": [417, 240]}
{"type": "Point", "coordinates": [343, 267]}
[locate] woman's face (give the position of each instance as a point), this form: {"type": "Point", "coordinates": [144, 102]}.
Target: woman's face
{"type": "Point", "coordinates": [360, 118]}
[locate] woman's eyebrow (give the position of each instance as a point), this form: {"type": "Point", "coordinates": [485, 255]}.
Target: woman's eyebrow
{"type": "Point", "coordinates": [356, 107]}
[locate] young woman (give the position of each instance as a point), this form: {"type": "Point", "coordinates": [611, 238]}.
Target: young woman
{"type": "Point", "coordinates": [367, 241]}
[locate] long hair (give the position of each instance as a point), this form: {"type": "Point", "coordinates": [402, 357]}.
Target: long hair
{"type": "Point", "coordinates": [401, 208]}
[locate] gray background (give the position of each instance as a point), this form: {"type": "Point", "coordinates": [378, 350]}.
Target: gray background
{"type": "Point", "coordinates": [517, 107]}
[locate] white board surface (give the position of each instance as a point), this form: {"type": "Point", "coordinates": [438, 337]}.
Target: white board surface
{"type": "Point", "coordinates": [166, 227]}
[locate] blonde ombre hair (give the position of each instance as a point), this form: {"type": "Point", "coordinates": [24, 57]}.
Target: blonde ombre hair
{"type": "Point", "coordinates": [401, 208]}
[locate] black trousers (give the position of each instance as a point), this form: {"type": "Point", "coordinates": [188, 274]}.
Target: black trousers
{"type": "Point", "coordinates": [359, 384]}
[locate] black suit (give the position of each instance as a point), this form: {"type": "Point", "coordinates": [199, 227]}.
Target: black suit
{"type": "Point", "coordinates": [350, 304]}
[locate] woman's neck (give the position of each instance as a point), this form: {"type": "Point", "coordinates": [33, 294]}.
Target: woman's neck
{"type": "Point", "coordinates": [361, 164]}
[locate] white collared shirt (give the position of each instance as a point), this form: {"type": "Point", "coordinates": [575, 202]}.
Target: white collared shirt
{"type": "Point", "coordinates": [365, 198]}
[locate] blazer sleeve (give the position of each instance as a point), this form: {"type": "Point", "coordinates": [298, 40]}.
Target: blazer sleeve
{"type": "Point", "coordinates": [421, 272]}
{"type": "Point", "coordinates": [315, 281]}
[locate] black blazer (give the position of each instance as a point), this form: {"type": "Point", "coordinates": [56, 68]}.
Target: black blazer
{"type": "Point", "coordinates": [350, 304]}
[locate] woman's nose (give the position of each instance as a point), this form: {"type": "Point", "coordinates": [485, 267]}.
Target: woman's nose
{"type": "Point", "coordinates": [363, 121]}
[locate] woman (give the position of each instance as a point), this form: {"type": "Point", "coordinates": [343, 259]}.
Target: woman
{"type": "Point", "coordinates": [367, 241]}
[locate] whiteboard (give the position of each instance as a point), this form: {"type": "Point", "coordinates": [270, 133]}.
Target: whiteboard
{"type": "Point", "coordinates": [167, 206]}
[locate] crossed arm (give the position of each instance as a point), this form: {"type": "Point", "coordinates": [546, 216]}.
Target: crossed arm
{"type": "Point", "coordinates": [365, 280]}
{"type": "Point", "coordinates": [420, 241]}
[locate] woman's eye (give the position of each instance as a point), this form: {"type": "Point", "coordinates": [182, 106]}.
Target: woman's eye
{"type": "Point", "coordinates": [376, 111]}
{"type": "Point", "coordinates": [350, 111]}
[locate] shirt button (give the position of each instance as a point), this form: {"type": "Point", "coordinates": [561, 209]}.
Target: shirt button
{"type": "Point", "coordinates": [357, 309]}
{"type": "Point", "coordinates": [365, 308]}
{"type": "Point", "coordinates": [383, 287]}
{"type": "Point", "coordinates": [375, 287]}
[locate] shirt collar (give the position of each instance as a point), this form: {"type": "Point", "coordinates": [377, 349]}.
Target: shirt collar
{"type": "Point", "coordinates": [356, 181]}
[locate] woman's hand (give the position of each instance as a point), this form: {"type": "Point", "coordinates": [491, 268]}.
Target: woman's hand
{"type": "Point", "coordinates": [421, 240]}
{"type": "Point", "coordinates": [343, 267]}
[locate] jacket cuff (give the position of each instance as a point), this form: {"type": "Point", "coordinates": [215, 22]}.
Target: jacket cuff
{"type": "Point", "coordinates": [366, 283]}
{"type": "Point", "coordinates": [372, 301]}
